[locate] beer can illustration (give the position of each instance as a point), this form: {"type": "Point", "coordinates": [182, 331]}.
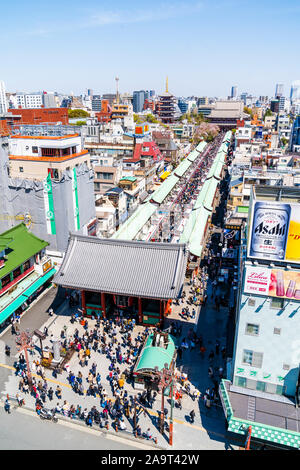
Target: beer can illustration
{"type": "Point", "coordinates": [269, 230]}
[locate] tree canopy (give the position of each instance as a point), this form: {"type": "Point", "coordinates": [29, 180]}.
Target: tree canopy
{"type": "Point", "coordinates": [77, 113]}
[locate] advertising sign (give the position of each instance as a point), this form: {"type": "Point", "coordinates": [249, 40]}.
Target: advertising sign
{"type": "Point", "coordinates": [272, 282]}
{"type": "Point", "coordinates": [275, 231]}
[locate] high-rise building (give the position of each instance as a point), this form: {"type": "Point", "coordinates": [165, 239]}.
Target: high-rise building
{"type": "Point", "coordinates": [49, 100]}
{"type": "Point", "coordinates": [279, 90]}
{"type": "Point", "coordinates": [295, 91]}
{"type": "Point", "coordinates": [3, 103]}
{"type": "Point", "coordinates": [295, 134]}
{"type": "Point", "coordinates": [183, 105]}
{"type": "Point", "coordinates": [96, 103]}
{"type": "Point", "coordinates": [138, 101]}
{"type": "Point", "coordinates": [274, 106]}
{"type": "Point", "coordinates": [202, 101]}
{"type": "Point", "coordinates": [233, 91]}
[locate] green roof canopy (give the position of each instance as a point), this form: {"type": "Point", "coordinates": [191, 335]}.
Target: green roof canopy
{"type": "Point", "coordinates": [182, 168]}
{"type": "Point", "coordinates": [153, 356]}
{"type": "Point", "coordinates": [196, 238]}
{"type": "Point", "coordinates": [201, 146]}
{"type": "Point", "coordinates": [193, 155]}
{"type": "Point", "coordinates": [23, 245]}
{"type": "Point", "coordinates": [134, 224]}
{"type": "Point", "coordinates": [162, 192]}
{"type": "Point", "coordinates": [209, 197]}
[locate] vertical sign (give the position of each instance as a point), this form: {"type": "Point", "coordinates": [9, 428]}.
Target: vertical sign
{"type": "Point", "coordinates": [75, 201]}
{"type": "Point", "coordinates": [49, 206]}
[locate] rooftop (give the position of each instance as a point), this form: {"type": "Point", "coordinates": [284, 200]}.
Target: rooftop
{"type": "Point", "coordinates": [134, 268]}
{"type": "Point", "coordinates": [21, 245]}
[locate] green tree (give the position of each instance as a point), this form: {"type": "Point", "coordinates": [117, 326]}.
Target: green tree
{"type": "Point", "coordinates": [248, 111]}
{"type": "Point", "coordinates": [268, 113]}
{"type": "Point", "coordinates": [77, 113]}
{"type": "Point", "coordinates": [151, 118]}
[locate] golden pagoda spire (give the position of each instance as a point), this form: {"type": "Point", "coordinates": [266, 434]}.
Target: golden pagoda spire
{"type": "Point", "coordinates": [167, 85]}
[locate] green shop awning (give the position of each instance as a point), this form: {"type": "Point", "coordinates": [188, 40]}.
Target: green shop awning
{"type": "Point", "coordinates": [38, 283]}
{"type": "Point", "coordinates": [11, 308]}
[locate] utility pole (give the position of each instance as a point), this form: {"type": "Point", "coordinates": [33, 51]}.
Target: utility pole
{"type": "Point", "coordinates": [134, 416]}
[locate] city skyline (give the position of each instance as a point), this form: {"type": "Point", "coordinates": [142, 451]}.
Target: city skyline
{"type": "Point", "coordinates": [191, 42]}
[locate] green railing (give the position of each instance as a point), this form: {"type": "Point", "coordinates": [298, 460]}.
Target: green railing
{"type": "Point", "coordinates": [259, 430]}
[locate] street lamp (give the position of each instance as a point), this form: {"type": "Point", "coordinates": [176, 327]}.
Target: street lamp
{"type": "Point", "coordinates": [166, 379]}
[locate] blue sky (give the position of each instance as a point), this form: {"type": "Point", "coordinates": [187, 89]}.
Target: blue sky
{"type": "Point", "coordinates": [204, 46]}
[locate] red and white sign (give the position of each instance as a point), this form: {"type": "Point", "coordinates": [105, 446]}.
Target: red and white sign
{"type": "Point", "coordinates": [257, 280]}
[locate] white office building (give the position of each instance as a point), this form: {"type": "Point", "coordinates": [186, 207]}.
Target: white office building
{"type": "Point", "coordinates": [3, 102]}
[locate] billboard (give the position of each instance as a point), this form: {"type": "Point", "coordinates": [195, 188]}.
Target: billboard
{"type": "Point", "coordinates": [272, 282]}
{"type": "Point", "coordinates": [275, 231]}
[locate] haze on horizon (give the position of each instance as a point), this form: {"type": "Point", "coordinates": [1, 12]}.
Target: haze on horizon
{"type": "Point", "coordinates": [203, 47]}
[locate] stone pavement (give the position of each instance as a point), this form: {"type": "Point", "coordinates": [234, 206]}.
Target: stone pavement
{"type": "Point", "coordinates": [208, 430]}
{"type": "Point", "coordinates": [210, 323]}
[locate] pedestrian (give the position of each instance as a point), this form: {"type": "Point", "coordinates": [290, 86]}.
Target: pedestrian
{"type": "Point", "coordinates": [58, 392]}
{"type": "Point", "coordinates": [7, 406]}
{"type": "Point", "coordinates": [192, 416]}
{"type": "Point", "coordinates": [50, 394]}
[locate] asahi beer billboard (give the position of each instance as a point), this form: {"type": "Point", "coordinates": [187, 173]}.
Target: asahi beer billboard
{"type": "Point", "coordinates": [272, 282]}
{"type": "Point", "coordinates": [275, 231]}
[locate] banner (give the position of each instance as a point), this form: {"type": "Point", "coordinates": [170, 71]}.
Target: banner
{"type": "Point", "coordinates": [272, 282]}
{"type": "Point", "coordinates": [275, 231]}
{"type": "Point", "coordinates": [49, 205]}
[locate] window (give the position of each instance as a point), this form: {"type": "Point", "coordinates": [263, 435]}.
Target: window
{"type": "Point", "coordinates": [252, 329]}
{"type": "Point", "coordinates": [17, 272]}
{"type": "Point", "coordinates": [276, 303]}
{"type": "Point", "coordinates": [252, 358]}
{"type": "Point", "coordinates": [26, 265]}
{"type": "Point", "coordinates": [280, 389]}
{"type": "Point", "coordinates": [251, 302]}
{"type": "Point", "coordinates": [247, 357]}
{"type": "Point", "coordinates": [106, 176]}
{"type": "Point", "coordinates": [35, 150]}
{"type": "Point", "coordinates": [5, 280]}
{"type": "Point", "coordinates": [251, 384]}
{"type": "Point", "coordinates": [261, 386]}
{"type": "Point", "coordinates": [240, 381]}
{"type": "Point", "coordinates": [277, 331]}
{"type": "Point", "coordinates": [21, 169]}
